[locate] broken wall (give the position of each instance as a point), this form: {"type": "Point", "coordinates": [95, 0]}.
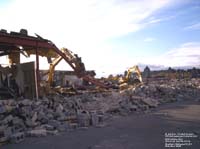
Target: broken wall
{"type": "Point", "coordinates": [18, 80]}
{"type": "Point", "coordinates": [25, 79]}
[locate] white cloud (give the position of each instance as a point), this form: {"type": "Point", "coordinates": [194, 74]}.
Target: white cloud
{"type": "Point", "coordinates": [83, 26]}
{"type": "Point", "coordinates": [187, 54]}
{"type": "Point", "coordinates": [193, 27]}
{"type": "Point", "coordinates": [149, 39]}
{"type": "Point", "coordinates": [78, 21]}
{"type": "Point", "coordinates": [154, 20]}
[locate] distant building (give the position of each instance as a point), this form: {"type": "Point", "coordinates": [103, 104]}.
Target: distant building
{"type": "Point", "coordinates": [147, 72]}
{"type": "Point", "coordinates": [195, 73]}
{"type": "Point", "coordinates": [176, 73]}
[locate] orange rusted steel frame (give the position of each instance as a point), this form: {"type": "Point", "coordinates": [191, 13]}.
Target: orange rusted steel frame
{"type": "Point", "coordinates": [32, 42]}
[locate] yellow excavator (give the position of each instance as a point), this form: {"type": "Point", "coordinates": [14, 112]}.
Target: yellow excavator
{"type": "Point", "coordinates": [52, 68]}
{"type": "Point", "coordinates": [129, 80]}
{"type": "Point", "coordinates": [130, 71]}
{"type": "Point", "coordinates": [74, 60]}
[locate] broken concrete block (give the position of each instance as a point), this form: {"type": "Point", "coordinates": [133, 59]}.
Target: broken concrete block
{"type": "Point", "coordinates": [54, 123]}
{"type": "Point", "coordinates": [37, 103]}
{"type": "Point", "coordinates": [37, 133]}
{"type": "Point", "coordinates": [61, 116]}
{"type": "Point", "coordinates": [12, 102]}
{"type": "Point", "coordinates": [49, 116]}
{"type": "Point", "coordinates": [30, 123]}
{"type": "Point", "coordinates": [83, 119]}
{"type": "Point", "coordinates": [48, 127]}
{"type": "Point", "coordinates": [59, 109]}
{"type": "Point", "coordinates": [143, 107]}
{"type": "Point", "coordinates": [94, 119]}
{"type": "Point", "coordinates": [132, 107]}
{"type": "Point", "coordinates": [3, 139]}
{"type": "Point", "coordinates": [25, 102]}
{"type": "Point", "coordinates": [8, 132]}
{"type": "Point", "coordinates": [41, 115]}
{"type": "Point", "coordinates": [126, 106]}
{"type": "Point", "coordinates": [2, 109]}
{"type": "Point", "coordinates": [62, 127]}
{"type": "Point", "coordinates": [34, 118]}
{"type": "Point", "coordinates": [4, 134]}
{"type": "Point", "coordinates": [52, 132]}
{"type": "Point", "coordinates": [7, 119]}
{"type": "Point", "coordinates": [17, 137]}
{"type": "Point", "coordinates": [8, 108]}
{"type": "Point", "coordinates": [150, 102]}
{"type": "Point", "coordinates": [73, 126]}
{"type": "Point", "coordinates": [17, 121]}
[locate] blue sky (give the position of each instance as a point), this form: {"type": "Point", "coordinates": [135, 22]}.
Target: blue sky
{"type": "Point", "coordinates": [113, 35]}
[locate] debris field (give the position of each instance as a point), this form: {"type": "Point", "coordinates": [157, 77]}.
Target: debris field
{"type": "Point", "coordinates": [53, 114]}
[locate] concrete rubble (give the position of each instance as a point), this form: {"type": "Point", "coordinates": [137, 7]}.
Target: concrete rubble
{"type": "Point", "coordinates": [56, 113]}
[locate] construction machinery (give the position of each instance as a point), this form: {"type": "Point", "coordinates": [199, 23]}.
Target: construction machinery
{"type": "Point", "coordinates": [128, 79]}
{"type": "Point", "coordinates": [132, 76]}
{"type": "Point", "coordinates": [129, 73]}
{"type": "Point", "coordinates": [74, 60]}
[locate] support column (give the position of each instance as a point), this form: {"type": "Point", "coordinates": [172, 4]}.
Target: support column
{"type": "Point", "coordinates": [37, 74]}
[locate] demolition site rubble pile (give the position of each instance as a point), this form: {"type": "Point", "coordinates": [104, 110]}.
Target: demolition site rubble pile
{"type": "Point", "coordinates": [56, 113]}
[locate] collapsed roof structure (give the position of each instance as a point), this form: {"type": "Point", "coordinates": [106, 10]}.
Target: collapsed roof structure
{"type": "Point", "coordinates": [15, 43]}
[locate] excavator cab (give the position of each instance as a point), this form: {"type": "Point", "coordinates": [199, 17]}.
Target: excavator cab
{"type": "Point", "coordinates": [132, 77]}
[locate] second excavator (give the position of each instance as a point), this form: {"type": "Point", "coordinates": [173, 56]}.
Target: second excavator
{"type": "Point", "coordinates": [129, 79]}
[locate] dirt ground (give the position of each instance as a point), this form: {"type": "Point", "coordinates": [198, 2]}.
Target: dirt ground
{"type": "Point", "coordinates": [136, 131]}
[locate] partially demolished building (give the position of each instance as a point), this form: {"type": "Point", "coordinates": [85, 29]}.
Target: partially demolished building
{"type": "Point", "coordinates": [24, 79]}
